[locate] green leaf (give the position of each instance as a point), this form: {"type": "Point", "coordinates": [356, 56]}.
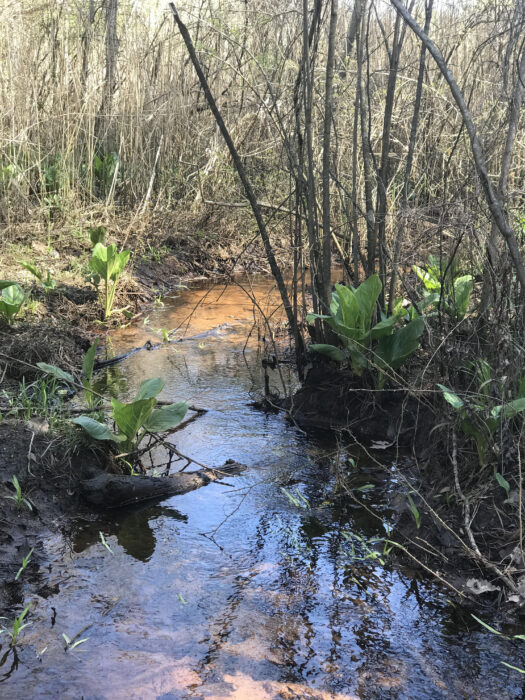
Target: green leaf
{"type": "Point", "coordinates": [11, 300]}
{"type": "Point", "coordinates": [96, 430]}
{"type": "Point", "coordinates": [32, 269]}
{"type": "Point", "coordinates": [89, 361]}
{"type": "Point", "coordinates": [393, 350]}
{"type": "Point", "coordinates": [430, 280]}
{"type": "Point", "coordinates": [131, 416]}
{"type": "Point", "coordinates": [6, 283]}
{"type": "Point", "coordinates": [97, 234]}
{"type": "Point", "coordinates": [490, 629]}
{"type": "Point", "coordinates": [56, 372]}
{"type": "Point", "coordinates": [366, 296]}
{"type": "Point", "coordinates": [120, 262]}
{"type": "Point", "coordinates": [462, 290]}
{"type": "Point", "coordinates": [331, 351]}
{"type": "Point", "coordinates": [102, 259]}
{"type": "Point", "coordinates": [503, 483]}
{"type": "Point", "coordinates": [311, 318]}
{"type": "Point", "coordinates": [166, 417]}
{"type": "Point", "coordinates": [514, 668]}
{"type": "Point", "coordinates": [451, 398]}
{"type": "Point", "coordinates": [150, 388]}
{"type": "Point", "coordinates": [348, 307]}
{"type": "Point", "coordinates": [514, 407]}
{"type": "Point", "coordinates": [384, 327]}
{"type": "Point", "coordinates": [357, 360]}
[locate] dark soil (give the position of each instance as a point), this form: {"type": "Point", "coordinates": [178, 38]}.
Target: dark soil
{"type": "Point", "coordinates": [332, 400]}
{"type": "Point", "coordinates": [46, 483]}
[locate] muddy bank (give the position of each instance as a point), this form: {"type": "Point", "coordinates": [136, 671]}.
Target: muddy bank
{"type": "Point", "coordinates": [45, 485]}
{"type": "Point", "coordinates": [474, 552]}
{"type": "Point", "coordinates": [334, 400]}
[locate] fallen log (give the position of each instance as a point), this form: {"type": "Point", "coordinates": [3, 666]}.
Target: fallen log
{"type": "Point", "coordinates": [117, 490]}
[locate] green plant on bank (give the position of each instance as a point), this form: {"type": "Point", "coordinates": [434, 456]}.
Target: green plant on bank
{"type": "Point", "coordinates": [48, 284]}
{"type": "Point", "coordinates": [108, 266]}
{"type": "Point", "coordinates": [42, 398]}
{"type": "Point", "coordinates": [52, 396]}
{"type": "Point", "coordinates": [481, 412]}
{"type": "Point", "coordinates": [19, 499]}
{"type": "Point", "coordinates": [104, 168]}
{"type": "Point", "coordinates": [444, 287]}
{"type": "Point", "coordinates": [156, 254]}
{"type": "Point", "coordinates": [414, 510]}
{"type": "Point", "coordinates": [136, 419]}
{"type": "Point", "coordinates": [97, 234]}
{"type": "Point", "coordinates": [25, 562]}
{"type": "Point", "coordinates": [17, 626]}
{"type": "Point", "coordinates": [12, 299]}
{"type": "Point", "coordinates": [386, 344]}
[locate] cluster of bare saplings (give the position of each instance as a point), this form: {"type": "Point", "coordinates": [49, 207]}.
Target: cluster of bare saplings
{"type": "Point", "coordinates": [384, 135]}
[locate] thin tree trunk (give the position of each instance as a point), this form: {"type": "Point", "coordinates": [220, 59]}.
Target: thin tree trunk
{"type": "Point", "coordinates": [327, 131]}
{"type": "Point", "coordinates": [104, 119]}
{"type": "Point", "coordinates": [250, 195]}
{"type": "Point", "coordinates": [367, 159]}
{"type": "Point", "coordinates": [493, 255]}
{"type": "Point", "coordinates": [86, 45]}
{"type": "Point", "coordinates": [410, 159]}
{"type": "Point", "coordinates": [493, 202]}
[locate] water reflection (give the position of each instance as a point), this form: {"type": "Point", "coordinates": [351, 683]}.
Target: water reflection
{"type": "Point", "coordinates": [133, 527]}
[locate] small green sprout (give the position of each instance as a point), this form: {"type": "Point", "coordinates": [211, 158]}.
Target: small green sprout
{"type": "Point", "coordinates": [25, 562]}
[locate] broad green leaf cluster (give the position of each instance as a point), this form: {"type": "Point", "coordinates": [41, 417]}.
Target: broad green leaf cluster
{"type": "Point", "coordinates": [12, 298]}
{"type": "Point", "coordinates": [108, 265]}
{"type": "Point", "coordinates": [48, 284]}
{"type": "Point", "coordinates": [444, 287]}
{"type": "Point", "coordinates": [365, 344]}
{"type": "Point", "coordinates": [135, 419]}
{"type": "Point", "coordinates": [481, 412]}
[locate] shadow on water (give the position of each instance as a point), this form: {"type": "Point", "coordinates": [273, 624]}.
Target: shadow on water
{"type": "Point", "coordinates": [133, 528]}
{"type": "Point", "coordinates": [274, 587]}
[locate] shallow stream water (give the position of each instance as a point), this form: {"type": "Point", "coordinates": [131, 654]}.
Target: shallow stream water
{"type": "Point", "coordinates": [240, 590]}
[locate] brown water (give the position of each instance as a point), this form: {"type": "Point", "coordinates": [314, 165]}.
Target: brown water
{"type": "Point", "coordinates": [235, 591]}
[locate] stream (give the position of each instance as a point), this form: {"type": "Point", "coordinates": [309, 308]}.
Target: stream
{"type": "Point", "coordinates": [269, 586]}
